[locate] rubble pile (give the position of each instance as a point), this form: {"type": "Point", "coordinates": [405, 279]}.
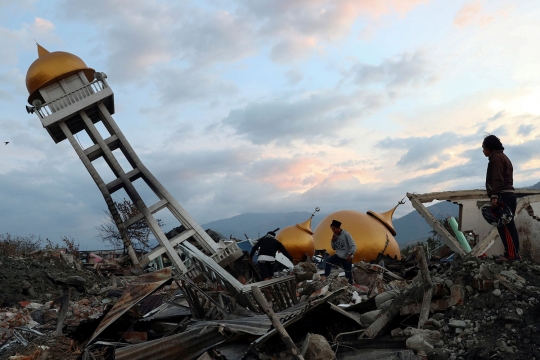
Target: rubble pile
{"type": "Point", "coordinates": [55, 308]}
{"type": "Point", "coordinates": [498, 315]}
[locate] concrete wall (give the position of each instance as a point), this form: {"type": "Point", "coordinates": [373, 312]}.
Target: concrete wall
{"type": "Point", "coordinates": [528, 227]}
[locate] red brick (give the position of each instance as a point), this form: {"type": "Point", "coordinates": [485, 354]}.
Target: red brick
{"type": "Point", "coordinates": [483, 285]}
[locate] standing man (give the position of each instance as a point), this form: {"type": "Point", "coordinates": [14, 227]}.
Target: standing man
{"type": "Point", "coordinates": [500, 188]}
{"type": "Point", "coordinates": [344, 245]}
{"type": "Point", "coordinates": [268, 245]}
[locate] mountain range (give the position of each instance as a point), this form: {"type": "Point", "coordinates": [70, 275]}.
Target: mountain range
{"type": "Point", "coordinates": [410, 228]}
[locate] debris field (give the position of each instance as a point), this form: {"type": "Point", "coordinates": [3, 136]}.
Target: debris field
{"type": "Point", "coordinates": [54, 307]}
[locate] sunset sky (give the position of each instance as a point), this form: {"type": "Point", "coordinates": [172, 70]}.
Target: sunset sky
{"type": "Point", "coordinates": [274, 106]}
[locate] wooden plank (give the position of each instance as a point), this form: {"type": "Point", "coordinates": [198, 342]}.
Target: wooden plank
{"type": "Point", "coordinates": [464, 195]}
{"type": "Point", "coordinates": [263, 304]}
{"type": "Point", "coordinates": [484, 244]}
{"type": "Point", "coordinates": [286, 294]}
{"type": "Point", "coordinates": [428, 285]}
{"type": "Point", "coordinates": [436, 225]}
{"type": "Point", "coordinates": [62, 313]}
{"type": "Point", "coordinates": [276, 294]}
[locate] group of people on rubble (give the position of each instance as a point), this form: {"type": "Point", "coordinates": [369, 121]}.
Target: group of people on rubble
{"type": "Point", "coordinates": [342, 243]}
{"type": "Point", "coordinates": [500, 212]}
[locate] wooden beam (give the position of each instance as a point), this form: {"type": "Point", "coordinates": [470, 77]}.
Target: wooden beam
{"type": "Point", "coordinates": [428, 285]}
{"type": "Point", "coordinates": [436, 225]}
{"type": "Point", "coordinates": [465, 195]}
{"type": "Point", "coordinates": [257, 294]}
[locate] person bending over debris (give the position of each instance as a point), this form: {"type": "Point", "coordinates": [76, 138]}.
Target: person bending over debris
{"type": "Point", "coordinates": [268, 245]}
{"type": "Point", "coordinates": [343, 244]}
{"type": "Point", "coordinates": [499, 187]}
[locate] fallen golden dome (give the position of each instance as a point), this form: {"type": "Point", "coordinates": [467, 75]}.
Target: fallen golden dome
{"type": "Point", "coordinates": [50, 67]}
{"type": "Point", "coordinates": [298, 239]}
{"type": "Point", "coordinates": [372, 233]}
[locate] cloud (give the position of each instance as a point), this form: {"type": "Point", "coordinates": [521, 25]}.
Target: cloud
{"type": "Point", "coordinates": [521, 154]}
{"type": "Point", "coordinates": [19, 3]}
{"type": "Point", "coordinates": [401, 71]}
{"type": "Point", "coordinates": [142, 35]}
{"type": "Point", "coordinates": [177, 85]}
{"type": "Point", "coordinates": [425, 152]}
{"type": "Point", "coordinates": [62, 199]}
{"type": "Point", "coordinates": [11, 40]}
{"type": "Point", "coordinates": [472, 13]}
{"type": "Point", "coordinates": [298, 27]}
{"type": "Point", "coordinates": [202, 163]}
{"type": "Point", "coordinates": [282, 120]}
{"type": "Point", "coordinates": [525, 129]}
{"type": "Point", "coordinates": [294, 76]}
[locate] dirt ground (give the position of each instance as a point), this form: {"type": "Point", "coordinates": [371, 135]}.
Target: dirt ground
{"type": "Point", "coordinates": [43, 278]}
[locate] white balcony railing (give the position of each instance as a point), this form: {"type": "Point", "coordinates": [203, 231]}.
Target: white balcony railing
{"type": "Point", "coordinates": [69, 99]}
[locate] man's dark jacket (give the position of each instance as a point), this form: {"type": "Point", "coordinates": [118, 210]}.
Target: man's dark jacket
{"type": "Point", "coordinates": [499, 176]}
{"type": "Point", "coordinates": [269, 245]}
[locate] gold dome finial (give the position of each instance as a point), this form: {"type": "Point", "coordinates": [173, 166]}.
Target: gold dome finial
{"type": "Point", "coordinates": [306, 226]}
{"type": "Point", "coordinates": [41, 50]}
{"type": "Point", "coordinates": [386, 217]}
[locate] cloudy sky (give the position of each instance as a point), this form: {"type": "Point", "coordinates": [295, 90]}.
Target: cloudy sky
{"type": "Point", "coordinates": [273, 106]}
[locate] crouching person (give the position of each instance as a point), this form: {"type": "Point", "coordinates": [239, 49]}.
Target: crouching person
{"type": "Point", "coordinates": [268, 246]}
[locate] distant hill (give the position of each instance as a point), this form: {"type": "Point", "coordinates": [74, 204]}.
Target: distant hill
{"type": "Point", "coordinates": [256, 225]}
{"type": "Point", "coordinates": [535, 186]}
{"type": "Point", "coordinates": [410, 227]}
{"type": "Point", "coordinates": [413, 227]}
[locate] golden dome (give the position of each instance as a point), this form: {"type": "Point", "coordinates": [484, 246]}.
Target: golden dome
{"type": "Point", "coordinates": [385, 218]}
{"type": "Point", "coordinates": [50, 67]}
{"type": "Point", "coordinates": [298, 239]}
{"type": "Point", "coordinates": [372, 233]}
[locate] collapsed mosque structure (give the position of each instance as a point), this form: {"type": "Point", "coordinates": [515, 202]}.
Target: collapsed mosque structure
{"type": "Point", "coordinates": [211, 303]}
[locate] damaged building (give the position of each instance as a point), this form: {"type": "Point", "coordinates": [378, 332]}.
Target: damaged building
{"type": "Point", "coordinates": [212, 304]}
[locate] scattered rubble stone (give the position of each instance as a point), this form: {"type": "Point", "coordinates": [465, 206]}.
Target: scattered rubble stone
{"type": "Point", "coordinates": [479, 309]}
{"type": "Point", "coordinates": [318, 348]}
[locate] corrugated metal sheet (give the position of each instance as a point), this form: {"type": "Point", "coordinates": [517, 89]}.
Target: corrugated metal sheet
{"type": "Point", "coordinates": [143, 286]}
{"type": "Point", "coordinates": [255, 325]}
{"type": "Point", "coordinates": [186, 345]}
{"type": "Point", "coordinates": [150, 303]}
{"type": "Point", "coordinates": [169, 312]}
{"type": "Point", "coordinates": [204, 335]}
